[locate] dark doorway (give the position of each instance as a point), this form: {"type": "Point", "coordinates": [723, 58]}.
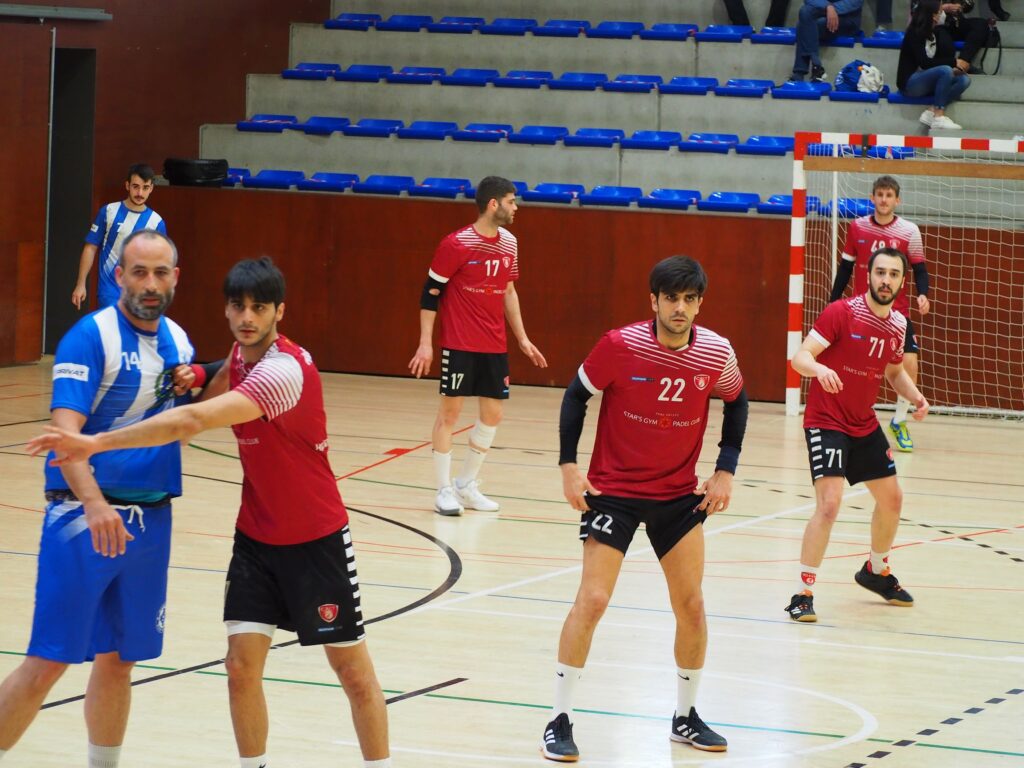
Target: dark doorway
{"type": "Point", "coordinates": [74, 107]}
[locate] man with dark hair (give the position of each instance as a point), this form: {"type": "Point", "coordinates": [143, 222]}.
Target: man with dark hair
{"type": "Point", "coordinates": [101, 588]}
{"type": "Point", "coordinates": [292, 565]}
{"type": "Point", "coordinates": [819, 21]}
{"type": "Point", "coordinates": [113, 224]}
{"type": "Point", "coordinates": [865, 235]}
{"type": "Point", "coordinates": [471, 281]}
{"type": "Point", "coordinates": [863, 338]}
{"type": "Point", "coordinates": [657, 377]}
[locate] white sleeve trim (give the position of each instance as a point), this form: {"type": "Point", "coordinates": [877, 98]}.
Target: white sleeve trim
{"type": "Point", "coordinates": [848, 257]}
{"type": "Point", "coordinates": [587, 383]}
{"type": "Point", "coordinates": [434, 276]}
{"type": "Point", "coordinates": [820, 339]}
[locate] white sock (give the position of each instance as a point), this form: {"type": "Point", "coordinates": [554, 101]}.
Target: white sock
{"type": "Point", "coordinates": [902, 406]}
{"type": "Point", "coordinates": [103, 757]}
{"type": "Point", "coordinates": [471, 466]}
{"type": "Point", "coordinates": [566, 678]}
{"type": "Point", "coordinates": [255, 762]}
{"type": "Point", "coordinates": [384, 763]}
{"type": "Point", "coordinates": [879, 561]}
{"type": "Point", "coordinates": [808, 575]}
{"type": "Point", "coordinates": [443, 469]}
{"type": "Point", "coordinates": [687, 681]}
{"type": "Point", "coordinates": [2, 753]}
{"type": "Point", "coordinates": [480, 440]}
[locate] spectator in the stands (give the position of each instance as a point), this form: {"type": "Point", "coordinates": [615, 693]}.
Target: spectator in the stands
{"type": "Point", "coordinates": [972, 30]}
{"type": "Point", "coordinates": [776, 13]}
{"type": "Point", "coordinates": [929, 65]}
{"type": "Point", "coordinates": [821, 21]}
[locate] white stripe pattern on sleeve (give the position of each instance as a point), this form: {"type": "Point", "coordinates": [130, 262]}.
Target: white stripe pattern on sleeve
{"type": "Point", "coordinates": [274, 384]}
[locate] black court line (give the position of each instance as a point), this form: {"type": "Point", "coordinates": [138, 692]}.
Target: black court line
{"type": "Point", "coordinates": [968, 539]}
{"type": "Point", "coordinates": [429, 689]}
{"type": "Point", "coordinates": [454, 574]}
{"type": "Point", "coordinates": [30, 421]}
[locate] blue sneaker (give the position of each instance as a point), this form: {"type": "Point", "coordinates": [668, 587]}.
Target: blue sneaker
{"type": "Point", "coordinates": [903, 440]}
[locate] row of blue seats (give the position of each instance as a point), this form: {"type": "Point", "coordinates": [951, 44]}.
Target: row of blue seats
{"type": "Point", "coordinates": [587, 81]}
{"type": "Point", "coordinates": [545, 192]}
{"type": "Point", "coordinates": [528, 134]}
{"type": "Point", "coordinates": [614, 30]}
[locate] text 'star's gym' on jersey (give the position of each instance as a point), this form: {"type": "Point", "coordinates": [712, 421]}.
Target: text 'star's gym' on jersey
{"type": "Point", "coordinates": [113, 224]}
{"type": "Point", "coordinates": [865, 236]}
{"type": "Point", "coordinates": [289, 494]}
{"type": "Point", "coordinates": [858, 347]}
{"type": "Point", "coordinates": [116, 375]}
{"type": "Point", "coordinates": [476, 271]}
{"type": "Point", "coordinates": [654, 409]}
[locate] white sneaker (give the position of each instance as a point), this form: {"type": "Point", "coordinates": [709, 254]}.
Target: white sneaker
{"type": "Point", "coordinates": [943, 123]}
{"type": "Point", "coordinates": [471, 497]}
{"type": "Point", "coordinates": [447, 502]}
{"type": "Point", "coordinates": [928, 117]}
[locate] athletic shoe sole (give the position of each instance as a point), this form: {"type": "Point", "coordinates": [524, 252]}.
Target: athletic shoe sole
{"type": "Point", "coordinates": [702, 747]}
{"type": "Point", "coordinates": [559, 758]}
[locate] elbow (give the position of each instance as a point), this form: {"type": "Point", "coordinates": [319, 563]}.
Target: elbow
{"type": "Point", "coordinates": [190, 423]}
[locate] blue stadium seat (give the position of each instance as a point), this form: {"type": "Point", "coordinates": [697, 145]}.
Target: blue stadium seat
{"type": "Point", "coordinates": [652, 140]}
{"type": "Point", "coordinates": [709, 142]}
{"type": "Point", "coordinates": [416, 75]}
{"type": "Point", "coordinates": [378, 184]}
{"type": "Point", "coordinates": [520, 186]}
{"type": "Point", "coordinates": [538, 134]}
{"type": "Point", "coordinates": [524, 78]}
{"type": "Point", "coordinates": [766, 145]}
{"type": "Point", "coordinates": [848, 207]}
{"type": "Point", "coordinates": [775, 36]}
{"type": "Point", "coordinates": [265, 122]}
{"type": "Point", "coordinates": [890, 38]}
{"type": "Point", "coordinates": [427, 129]}
{"type": "Point", "coordinates": [615, 30]}
{"type": "Point", "coordinates": [357, 21]}
{"type": "Point", "coordinates": [605, 195]}
{"type": "Point", "coordinates": [490, 132]}
{"type": "Point", "coordinates": [895, 153]}
{"type": "Point", "coordinates": [273, 179]}
{"type": "Point", "coordinates": [457, 24]}
{"type": "Point", "coordinates": [405, 22]}
{"type": "Point", "coordinates": [782, 205]}
{"type": "Point", "coordinates": [633, 83]}
{"type": "Point", "coordinates": [829, 150]}
{"type": "Point", "coordinates": [663, 31]}
{"type": "Point", "coordinates": [310, 70]}
{"type": "Point", "coordinates": [670, 199]}
{"type": "Point", "coordinates": [561, 28]}
{"type": "Point", "coordinates": [843, 41]}
{"type": "Point", "coordinates": [792, 89]}
{"type": "Point", "coordinates": [744, 87]}
{"type": "Point", "coordinates": [697, 86]}
{"type": "Point", "coordinates": [729, 202]}
{"type": "Point", "coordinates": [369, 126]}
{"type": "Point", "coordinates": [835, 95]}
{"type": "Point", "coordinates": [578, 81]}
{"type": "Point", "coordinates": [724, 33]}
{"type": "Point", "coordinates": [895, 97]}
{"type": "Point", "coordinates": [436, 186]}
{"type": "Point", "coordinates": [364, 73]}
{"type": "Point", "coordinates": [505, 26]}
{"type": "Point", "coordinates": [235, 175]}
{"type": "Point", "coordinates": [328, 182]}
{"type": "Point", "coordinates": [474, 77]}
{"type": "Point", "coordinates": [546, 192]}
{"type": "Point", "coordinates": [594, 137]}
{"type": "Point", "coordinates": [318, 125]}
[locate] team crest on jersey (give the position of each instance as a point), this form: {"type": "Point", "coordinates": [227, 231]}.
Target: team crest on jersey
{"type": "Point", "coordinates": [701, 381]}
{"type": "Point", "coordinates": [161, 618]}
{"type": "Point", "coordinates": [328, 612]}
{"type": "Point", "coordinates": [163, 388]}
{"type": "Point", "coordinates": [664, 421]}
{"type": "Point", "coordinates": [506, 261]}
{"type": "Point", "coordinates": [894, 343]}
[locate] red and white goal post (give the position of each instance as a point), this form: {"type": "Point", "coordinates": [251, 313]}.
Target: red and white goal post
{"type": "Point", "coordinates": [967, 197]}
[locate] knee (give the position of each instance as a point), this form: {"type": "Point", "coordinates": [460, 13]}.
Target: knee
{"type": "Point", "coordinates": [42, 674]}
{"type": "Point", "coordinates": [828, 509]}
{"type": "Point", "coordinates": [690, 611]}
{"type": "Point", "coordinates": [111, 667]}
{"type": "Point", "coordinates": [591, 604]}
{"type": "Point", "coordinates": [892, 503]}
{"type": "Point", "coordinates": [448, 416]}
{"type": "Point", "coordinates": [945, 72]}
{"type": "Point", "coordinates": [242, 670]}
{"type": "Point", "coordinates": [358, 680]}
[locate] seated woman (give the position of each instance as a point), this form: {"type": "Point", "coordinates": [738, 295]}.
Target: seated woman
{"type": "Point", "coordinates": [929, 65]}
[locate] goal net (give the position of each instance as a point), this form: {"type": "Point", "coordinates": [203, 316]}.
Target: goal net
{"type": "Point", "coordinates": [967, 197]}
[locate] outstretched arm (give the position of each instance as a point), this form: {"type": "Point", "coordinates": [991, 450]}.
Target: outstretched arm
{"type": "Point", "coordinates": [515, 321]}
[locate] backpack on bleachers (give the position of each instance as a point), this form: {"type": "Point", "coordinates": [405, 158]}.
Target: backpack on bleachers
{"type": "Point", "coordinates": [860, 76]}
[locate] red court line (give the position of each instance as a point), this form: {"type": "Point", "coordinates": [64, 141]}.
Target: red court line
{"type": "Point", "coordinates": [395, 456]}
{"type": "Point", "coordinates": [22, 509]}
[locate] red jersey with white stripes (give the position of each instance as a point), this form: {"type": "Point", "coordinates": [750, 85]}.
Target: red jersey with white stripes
{"type": "Point", "coordinates": [865, 236]}
{"type": "Point", "coordinates": [654, 408]}
{"type": "Point", "coordinates": [858, 347]}
{"type": "Point", "coordinates": [289, 494]}
{"type": "Point", "coordinates": [476, 271]}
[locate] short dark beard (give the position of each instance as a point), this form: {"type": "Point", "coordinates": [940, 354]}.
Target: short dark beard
{"type": "Point", "coordinates": [133, 304]}
{"type": "Point", "coordinates": [879, 300]}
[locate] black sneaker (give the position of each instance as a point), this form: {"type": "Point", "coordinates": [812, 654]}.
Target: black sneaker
{"type": "Point", "coordinates": [818, 74]}
{"type": "Point", "coordinates": [801, 608]}
{"type": "Point", "coordinates": [884, 584]}
{"type": "Point", "coordinates": [695, 732]}
{"type": "Point", "coordinates": [558, 744]}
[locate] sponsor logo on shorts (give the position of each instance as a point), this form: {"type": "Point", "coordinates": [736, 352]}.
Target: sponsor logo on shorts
{"type": "Point", "coordinates": [888, 453]}
{"type": "Point", "coordinates": [506, 382]}
{"type": "Point", "coordinates": [328, 612]}
{"type": "Point", "coordinates": [71, 371]}
{"type": "Point", "coordinates": [161, 618]}
{"type": "Point", "coordinates": [701, 381]}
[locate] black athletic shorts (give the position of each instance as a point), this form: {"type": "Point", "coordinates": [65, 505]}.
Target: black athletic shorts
{"type": "Point", "coordinates": [474, 374]}
{"type": "Point", "coordinates": [309, 588]}
{"type": "Point", "coordinates": [835, 454]}
{"type": "Point", "coordinates": [910, 340]}
{"type": "Point", "coordinates": [613, 520]}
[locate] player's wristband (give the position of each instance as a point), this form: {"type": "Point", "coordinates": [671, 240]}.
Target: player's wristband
{"type": "Point", "coordinates": [728, 459]}
{"type": "Point", "coordinates": [200, 373]}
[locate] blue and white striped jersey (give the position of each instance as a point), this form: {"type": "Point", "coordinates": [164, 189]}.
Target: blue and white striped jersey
{"type": "Point", "coordinates": [116, 375]}
{"type": "Point", "coordinates": [113, 224]}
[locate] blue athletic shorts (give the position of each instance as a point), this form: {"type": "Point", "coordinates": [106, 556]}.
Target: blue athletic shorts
{"type": "Point", "coordinates": [88, 604]}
